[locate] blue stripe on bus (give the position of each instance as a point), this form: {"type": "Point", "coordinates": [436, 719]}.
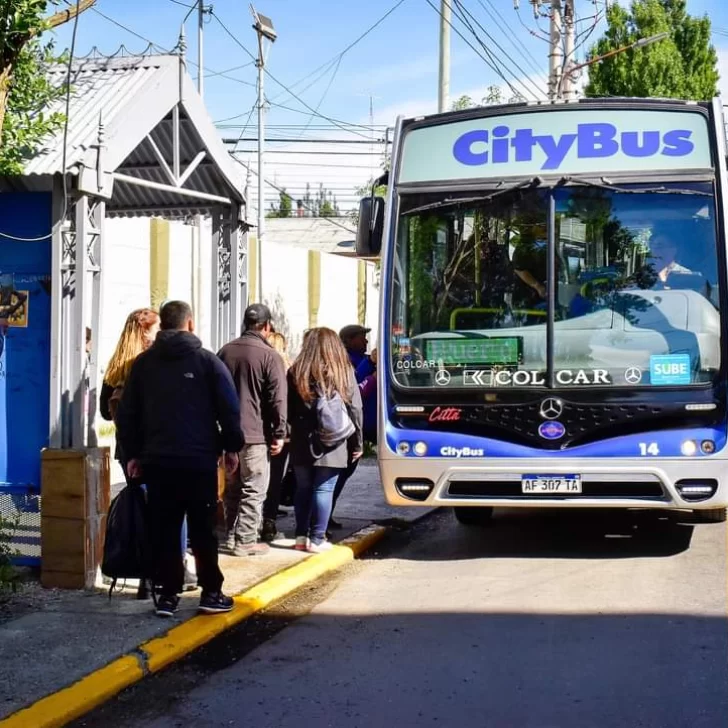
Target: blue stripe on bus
{"type": "Point", "coordinates": [456, 445]}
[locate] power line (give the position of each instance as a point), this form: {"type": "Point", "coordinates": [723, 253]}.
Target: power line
{"type": "Point", "coordinates": [474, 49]}
{"type": "Point", "coordinates": [282, 191]}
{"type": "Point", "coordinates": [167, 51]}
{"type": "Point", "coordinates": [351, 45]}
{"type": "Point", "coordinates": [310, 141]}
{"type": "Point", "coordinates": [311, 151]}
{"type": "Point", "coordinates": [513, 39]}
{"type": "Point", "coordinates": [280, 83]}
{"type": "Point", "coordinates": [465, 12]}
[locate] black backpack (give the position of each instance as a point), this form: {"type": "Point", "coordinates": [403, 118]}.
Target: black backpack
{"type": "Point", "coordinates": [126, 548]}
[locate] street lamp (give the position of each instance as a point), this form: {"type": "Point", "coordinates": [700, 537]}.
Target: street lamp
{"type": "Point", "coordinates": [641, 43]}
{"type": "Point", "coordinates": [264, 28]}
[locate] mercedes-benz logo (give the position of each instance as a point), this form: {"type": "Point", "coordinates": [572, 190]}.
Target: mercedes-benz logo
{"type": "Point", "coordinates": [551, 408]}
{"type": "Point", "coordinates": [633, 375]}
{"type": "Point", "coordinates": [442, 377]}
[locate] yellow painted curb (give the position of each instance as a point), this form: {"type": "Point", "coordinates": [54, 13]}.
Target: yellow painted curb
{"type": "Point", "coordinates": [60, 708]}
{"type": "Point", "coordinates": [74, 701]}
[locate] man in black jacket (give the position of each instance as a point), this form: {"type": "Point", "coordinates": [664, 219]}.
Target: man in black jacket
{"type": "Point", "coordinates": [260, 379]}
{"type": "Point", "coordinates": [178, 414]}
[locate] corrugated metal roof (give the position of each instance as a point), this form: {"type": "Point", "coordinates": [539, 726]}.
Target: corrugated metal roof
{"type": "Point", "coordinates": [132, 98]}
{"type": "Point", "coordinates": [100, 89]}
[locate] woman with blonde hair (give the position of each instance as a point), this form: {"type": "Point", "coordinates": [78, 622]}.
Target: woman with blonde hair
{"type": "Point", "coordinates": [138, 335]}
{"type": "Point", "coordinates": [279, 343]}
{"type": "Point", "coordinates": [325, 414]}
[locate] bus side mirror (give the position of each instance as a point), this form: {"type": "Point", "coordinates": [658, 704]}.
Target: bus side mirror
{"type": "Point", "coordinates": [370, 232]}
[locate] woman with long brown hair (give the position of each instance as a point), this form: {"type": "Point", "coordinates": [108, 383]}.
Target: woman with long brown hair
{"type": "Point", "coordinates": [325, 414]}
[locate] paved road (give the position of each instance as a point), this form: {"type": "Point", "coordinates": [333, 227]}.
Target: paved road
{"type": "Point", "coordinates": [541, 620]}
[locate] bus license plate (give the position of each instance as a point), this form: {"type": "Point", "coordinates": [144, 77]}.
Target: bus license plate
{"type": "Point", "coordinates": [551, 484]}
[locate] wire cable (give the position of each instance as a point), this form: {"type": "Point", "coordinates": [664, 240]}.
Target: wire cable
{"type": "Point", "coordinates": [282, 191]}
{"type": "Point", "coordinates": [167, 51]}
{"type": "Point", "coordinates": [513, 39]}
{"type": "Point", "coordinates": [474, 49]}
{"type": "Point", "coordinates": [64, 155]}
{"type": "Point", "coordinates": [280, 83]}
{"type": "Point", "coordinates": [522, 83]}
{"type": "Point", "coordinates": [351, 45]}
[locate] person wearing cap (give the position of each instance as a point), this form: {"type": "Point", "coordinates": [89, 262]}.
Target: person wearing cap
{"type": "Point", "coordinates": [355, 340]}
{"type": "Point", "coordinates": [260, 378]}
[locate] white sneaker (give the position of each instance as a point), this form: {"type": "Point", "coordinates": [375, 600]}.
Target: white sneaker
{"type": "Point", "coordinates": [320, 548]}
{"type": "Point", "coordinates": [301, 543]}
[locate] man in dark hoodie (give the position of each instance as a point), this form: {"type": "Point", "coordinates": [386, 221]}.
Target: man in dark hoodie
{"type": "Point", "coordinates": [178, 414]}
{"type": "Point", "coordinates": [260, 378]}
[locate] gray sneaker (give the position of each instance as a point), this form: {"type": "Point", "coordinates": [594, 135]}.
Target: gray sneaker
{"type": "Point", "coordinates": [251, 549]}
{"type": "Point", "coordinates": [228, 545]}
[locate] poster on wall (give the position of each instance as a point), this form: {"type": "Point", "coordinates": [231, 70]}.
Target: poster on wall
{"type": "Point", "coordinates": [13, 303]}
{"type": "Point", "coordinates": [25, 316]}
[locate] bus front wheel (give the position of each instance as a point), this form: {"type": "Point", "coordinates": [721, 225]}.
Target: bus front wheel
{"type": "Point", "coordinates": [711, 515]}
{"type": "Point", "coordinates": [472, 516]}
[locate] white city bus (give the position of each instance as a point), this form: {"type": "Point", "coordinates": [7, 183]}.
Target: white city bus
{"type": "Point", "coordinates": [554, 308]}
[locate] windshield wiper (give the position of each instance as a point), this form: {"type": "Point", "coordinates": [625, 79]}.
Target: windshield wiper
{"type": "Point", "coordinates": [533, 182]}
{"type": "Point", "coordinates": [605, 184]}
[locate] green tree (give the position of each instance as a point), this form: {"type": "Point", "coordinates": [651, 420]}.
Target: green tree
{"type": "Point", "coordinates": [494, 95]}
{"type": "Point", "coordinates": [682, 66]}
{"type": "Point", "coordinates": [25, 91]}
{"type": "Point", "coordinates": [285, 205]}
{"type": "Point", "coordinates": [327, 209]}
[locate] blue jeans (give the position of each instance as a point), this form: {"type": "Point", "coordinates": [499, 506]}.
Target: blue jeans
{"type": "Point", "coordinates": [314, 500]}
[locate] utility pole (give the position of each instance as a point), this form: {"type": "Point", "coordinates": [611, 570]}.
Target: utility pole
{"type": "Point", "coordinates": [556, 56]}
{"type": "Point", "coordinates": [264, 28]}
{"type": "Point", "coordinates": [201, 9]}
{"type": "Point", "coordinates": [567, 82]}
{"type": "Point", "coordinates": [443, 95]}
{"type": "Point", "coordinates": [197, 237]}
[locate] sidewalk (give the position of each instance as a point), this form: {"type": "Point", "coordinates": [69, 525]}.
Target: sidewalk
{"type": "Point", "coordinates": [51, 638]}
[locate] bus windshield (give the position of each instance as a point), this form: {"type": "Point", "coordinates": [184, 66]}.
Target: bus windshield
{"type": "Point", "coordinates": [636, 299]}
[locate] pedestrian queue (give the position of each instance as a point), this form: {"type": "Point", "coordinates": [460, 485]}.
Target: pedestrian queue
{"type": "Point", "coordinates": [180, 411]}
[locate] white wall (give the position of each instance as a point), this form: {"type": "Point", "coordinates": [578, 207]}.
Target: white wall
{"type": "Point", "coordinates": [126, 279]}
{"type": "Point", "coordinates": [285, 290]}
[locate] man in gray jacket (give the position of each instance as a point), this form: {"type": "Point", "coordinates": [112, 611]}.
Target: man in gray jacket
{"type": "Point", "coordinates": [260, 378]}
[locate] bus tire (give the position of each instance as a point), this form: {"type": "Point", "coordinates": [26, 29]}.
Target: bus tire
{"type": "Point", "coordinates": [711, 515]}
{"type": "Point", "coordinates": [473, 516]}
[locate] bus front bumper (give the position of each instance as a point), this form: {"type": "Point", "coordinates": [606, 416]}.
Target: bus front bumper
{"type": "Point", "coordinates": [679, 483]}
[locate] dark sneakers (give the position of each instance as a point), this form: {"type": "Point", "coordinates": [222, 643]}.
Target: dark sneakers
{"type": "Point", "coordinates": [215, 603]}
{"type": "Point", "coordinates": [166, 605]}
{"type": "Point", "coordinates": [270, 533]}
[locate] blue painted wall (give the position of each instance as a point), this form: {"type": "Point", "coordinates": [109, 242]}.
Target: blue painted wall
{"type": "Point", "coordinates": [25, 360]}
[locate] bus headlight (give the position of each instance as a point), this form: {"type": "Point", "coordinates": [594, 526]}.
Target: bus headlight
{"type": "Point", "coordinates": [689, 448]}
{"type": "Point", "coordinates": [420, 449]}
{"type": "Point", "coordinates": [707, 446]}
{"type": "Point", "coordinates": [403, 448]}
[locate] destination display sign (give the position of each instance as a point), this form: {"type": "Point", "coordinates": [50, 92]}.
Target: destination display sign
{"type": "Point", "coordinates": [497, 350]}
{"type": "Point", "coordinates": [576, 141]}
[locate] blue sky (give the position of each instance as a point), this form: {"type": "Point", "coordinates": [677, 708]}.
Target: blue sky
{"type": "Point", "coordinates": [395, 65]}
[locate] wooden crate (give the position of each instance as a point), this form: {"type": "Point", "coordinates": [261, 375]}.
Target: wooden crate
{"type": "Point", "coordinates": [75, 486]}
